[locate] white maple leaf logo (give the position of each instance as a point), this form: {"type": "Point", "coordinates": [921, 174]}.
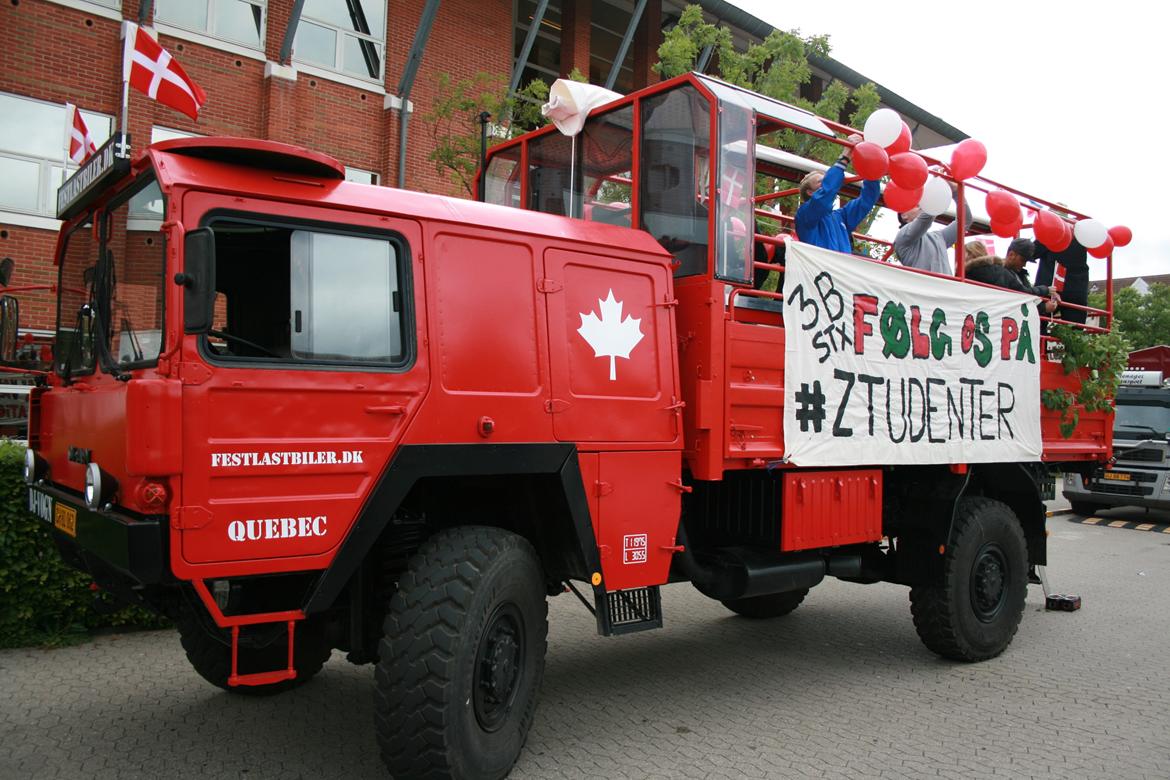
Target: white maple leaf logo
{"type": "Point", "coordinates": [610, 335]}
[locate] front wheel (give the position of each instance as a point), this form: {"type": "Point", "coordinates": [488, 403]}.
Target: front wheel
{"type": "Point", "coordinates": [974, 613]}
{"type": "Point", "coordinates": [462, 656]}
{"type": "Point", "coordinates": [209, 649]}
{"type": "Point", "coordinates": [1086, 508]}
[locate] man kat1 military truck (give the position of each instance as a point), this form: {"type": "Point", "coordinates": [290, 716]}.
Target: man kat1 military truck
{"type": "Point", "coordinates": [299, 414]}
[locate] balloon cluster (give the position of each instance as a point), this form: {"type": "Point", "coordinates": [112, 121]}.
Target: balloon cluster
{"type": "Point", "coordinates": [886, 151]}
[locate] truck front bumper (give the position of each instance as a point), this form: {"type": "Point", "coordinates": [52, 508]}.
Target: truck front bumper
{"type": "Point", "coordinates": [133, 545]}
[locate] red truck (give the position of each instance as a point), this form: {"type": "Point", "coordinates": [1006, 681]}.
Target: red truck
{"type": "Point", "coordinates": [297, 414]}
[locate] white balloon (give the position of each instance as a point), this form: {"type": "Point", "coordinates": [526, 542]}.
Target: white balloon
{"type": "Point", "coordinates": [883, 127]}
{"type": "Point", "coordinates": [1090, 233]}
{"type": "Point", "coordinates": [936, 196]}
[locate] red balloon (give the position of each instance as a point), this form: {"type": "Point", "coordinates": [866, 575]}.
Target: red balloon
{"type": "Point", "coordinates": [901, 199]}
{"type": "Point", "coordinates": [870, 160]}
{"type": "Point", "coordinates": [968, 159]}
{"type": "Point", "coordinates": [1047, 228]}
{"type": "Point", "coordinates": [1006, 228]}
{"type": "Point", "coordinates": [1121, 235]}
{"type": "Point", "coordinates": [1066, 237]}
{"type": "Point", "coordinates": [908, 170]}
{"type": "Point", "coordinates": [1104, 250]}
{"type": "Point", "coordinates": [902, 143]}
{"type": "Point", "coordinates": [1003, 206]}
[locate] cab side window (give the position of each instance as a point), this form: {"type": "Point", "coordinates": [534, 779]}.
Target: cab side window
{"type": "Point", "coordinates": [289, 293]}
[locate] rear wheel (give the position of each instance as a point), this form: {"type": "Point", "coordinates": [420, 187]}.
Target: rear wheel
{"type": "Point", "coordinates": [462, 656]}
{"type": "Point", "coordinates": [769, 606]}
{"type": "Point", "coordinates": [262, 649]}
{"type": "Point", "coordinates": [974, 613]}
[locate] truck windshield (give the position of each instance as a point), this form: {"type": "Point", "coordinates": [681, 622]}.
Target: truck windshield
{"type": "Point", "coordinates": [110, 303]}
{"type": "Point", "coordinates": [1141, 421]}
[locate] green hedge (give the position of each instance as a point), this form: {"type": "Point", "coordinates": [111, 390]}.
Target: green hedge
{"type": "Point", "coordinates": [42, 600]}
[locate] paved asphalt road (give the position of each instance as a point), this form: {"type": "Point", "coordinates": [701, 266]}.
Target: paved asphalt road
{"type": "Point", "coordinates": [840, 688]}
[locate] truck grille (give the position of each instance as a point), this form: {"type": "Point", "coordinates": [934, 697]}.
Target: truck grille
{"type": "Point", "coordinates": [1122, 489]}
{"type": "Point", "coordinates": [1143, 455]}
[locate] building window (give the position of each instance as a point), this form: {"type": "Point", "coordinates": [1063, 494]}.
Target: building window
{"type": "Point", "coordinates": [147, 205]}
{"type": "Point", "coordinates": [347, 36]}
{"type": "Point", "coordinates": [237, 21]}
{"type": "Point", "coordinates": [608, 25]}
{"type": "Point", "coordinates": [32, 152]}
{"type": "Point", "coordinates": [544, 61]}
{"type": "Point", "coordinates": [362, 177]}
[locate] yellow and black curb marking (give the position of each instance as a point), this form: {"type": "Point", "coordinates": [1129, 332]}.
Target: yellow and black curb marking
{"type": "Point", "coordinates": [1133, 525]}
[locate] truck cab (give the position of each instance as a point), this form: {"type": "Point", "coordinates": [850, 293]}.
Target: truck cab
{"type": "Point", "coordinates": [1137, 475]}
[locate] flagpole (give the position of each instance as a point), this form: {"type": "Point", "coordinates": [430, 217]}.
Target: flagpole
{"type": "Point", "coordinates": [129, 29]}
{"type": "Point", "coordinates": [69, 109]}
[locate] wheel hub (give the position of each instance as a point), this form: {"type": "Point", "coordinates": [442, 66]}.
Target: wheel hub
{"type": "Point", "coordinates": [498, 666]}
{"type": "Point", "coordinates": [989, 581]}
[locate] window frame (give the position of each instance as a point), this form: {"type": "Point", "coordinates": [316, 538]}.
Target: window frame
{"type": "Point", "coordinates": [208, 37]}
{"type": "Point", "coordinates": [82, 224]}
{"type": "Point", "coordinates": [338, 67]}
{"type": "Point", "coordinates": [123, 198]}
{"type": "Point", "coordinates": [46, 206]}
{"type": "Point", "coordinates": [403, 263]}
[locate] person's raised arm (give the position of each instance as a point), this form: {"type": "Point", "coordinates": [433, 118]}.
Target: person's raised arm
{"type": "Point", "coordinates": [858, 208]}
{"type": "Point", "coordinates": [820, 203]}
{"type": "Point", "coordinates": [951, 232]}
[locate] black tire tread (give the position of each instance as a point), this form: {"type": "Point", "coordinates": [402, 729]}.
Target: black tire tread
{"type": "Point", "coordinates": [935, 615]}
{"type": "Point", "coordinates": [212, 658]}
{"type": "Point", "coordinates": [417, 656]}
{"type": "Point", "coordinates": [1085, 508]}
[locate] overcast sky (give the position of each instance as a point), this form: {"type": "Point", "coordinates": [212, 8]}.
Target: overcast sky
{"type": "Point", "coordinates": [1069, 98]}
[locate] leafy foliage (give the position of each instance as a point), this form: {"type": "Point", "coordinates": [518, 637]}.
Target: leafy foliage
{"type": "Point", "coordinates": [1143, 319]}
{"type": "Point", "coordinates": [1099, 358]}
{"type": "Point", "coordinates": [454, 120]}
{"type": "Point", "coordinates": [43, 600]}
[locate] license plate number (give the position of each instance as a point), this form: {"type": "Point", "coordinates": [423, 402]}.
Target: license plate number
{"type": "Point", "coordinates": [65, 519]}
{"type": "Point", "coordinates": [1118, 476]}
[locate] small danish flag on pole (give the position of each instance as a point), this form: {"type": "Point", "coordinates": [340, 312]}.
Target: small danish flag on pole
{"type": "Point", "coordinates": [81, 144]}
{"type": "Point", "coordinates": [151, 70]}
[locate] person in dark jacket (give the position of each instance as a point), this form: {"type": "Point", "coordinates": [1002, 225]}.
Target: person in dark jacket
{"type": "Point", "coordinates": [817, 222]}
{"type": "Point", "coordinates": [990, 269]}
{"type": "Point", "coordinates": [1075, 259]}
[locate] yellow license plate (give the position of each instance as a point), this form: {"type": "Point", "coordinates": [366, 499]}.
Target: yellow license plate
{"type": "Point", "coordinates": [65, 518]}
{"type": "Point", "coordinates": [1119, 476]}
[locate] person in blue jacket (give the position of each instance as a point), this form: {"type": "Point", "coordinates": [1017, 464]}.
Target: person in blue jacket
{"type": "Point", "coordinates": [817, 222]}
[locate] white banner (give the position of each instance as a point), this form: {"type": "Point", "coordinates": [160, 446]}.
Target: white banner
{"type": "Point", "coordinates": [885, 366]}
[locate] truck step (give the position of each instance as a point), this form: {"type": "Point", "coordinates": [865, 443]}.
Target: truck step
{"type": "Point", "coordinates": [627, 611]}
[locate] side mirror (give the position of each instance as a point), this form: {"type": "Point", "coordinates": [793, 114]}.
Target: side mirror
{"type": "Point", "coordinates": [6, 266]}
{"type": "Point", "coordinates": [9, 325]}
{"type": "Point", "coordinates": [198, 280]}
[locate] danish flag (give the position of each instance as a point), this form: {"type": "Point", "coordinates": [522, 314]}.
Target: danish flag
{"type": "Point", "coordinates": [151, 69]}
{"type": "Point", "coordinates": [1058, 278]}
{"type": "Point", "coordinates": [81, 144]}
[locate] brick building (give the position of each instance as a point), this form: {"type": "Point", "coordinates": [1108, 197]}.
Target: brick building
{"type": "Point", "coordinates": [331, 80]}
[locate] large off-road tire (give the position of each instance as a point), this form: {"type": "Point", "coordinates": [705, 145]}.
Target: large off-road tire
{"type": "Point", "coordinates": [209, 650]}
{"type": "Point", "coordinates": [770, 606]}
{"type": "Point", "coordinates": [974, 613]}
{"type": "Point", "coordinates": [462, 656]}
{"type": "Point", "coordinates": [1086, 508]}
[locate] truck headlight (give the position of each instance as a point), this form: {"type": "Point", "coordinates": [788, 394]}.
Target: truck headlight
{"type": "Point", "coordinates": [35, 467]}
{"type": "Point", "coordinates": [100, 487]}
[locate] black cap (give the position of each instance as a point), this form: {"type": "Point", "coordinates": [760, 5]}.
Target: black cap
{"type": "Point", "coordinates": [1023, 248]}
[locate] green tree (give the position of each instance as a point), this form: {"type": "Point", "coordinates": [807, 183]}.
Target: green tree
{"type": "Point", "coordinates": [454, 120]}
{"type": "Point", "coordinates": [1143, 319]}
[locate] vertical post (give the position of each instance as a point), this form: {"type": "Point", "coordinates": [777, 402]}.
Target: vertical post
{"type": "Point", "coordinates": [481, 189]}
{"type": "Point", "coordinates": [129, 32]}
{"type": "Point", "coordinates": [960, 233]}
{"type": "Point", "coordinates": [1109, 289]}
{"type": "Point", "coordinates": [69, 109]}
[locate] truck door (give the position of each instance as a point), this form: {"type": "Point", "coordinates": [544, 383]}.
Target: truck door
{"type": "Point", "coordinates": [613, 369]}
{"type": "Point", "coordinates": [296, 399]}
